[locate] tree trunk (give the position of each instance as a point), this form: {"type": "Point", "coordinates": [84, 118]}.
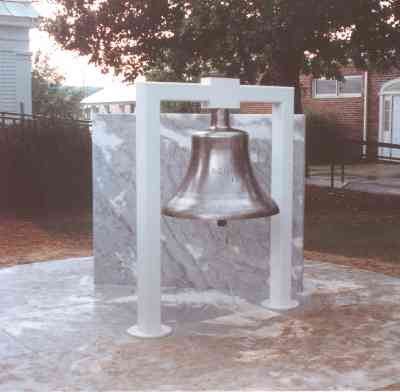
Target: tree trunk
{"type": "Point", "coordinates": [280, 73]}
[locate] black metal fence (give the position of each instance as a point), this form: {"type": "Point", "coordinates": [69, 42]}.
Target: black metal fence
{"type": "Point", "coordinates": [337, 157]}
{"type": "Point", "coordinates": [14, 119]}
{"type": "Point", "coordinates": [45, 163]}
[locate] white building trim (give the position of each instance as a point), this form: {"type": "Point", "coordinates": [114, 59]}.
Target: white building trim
{"type": "Point", "coordinates": [385, 135]}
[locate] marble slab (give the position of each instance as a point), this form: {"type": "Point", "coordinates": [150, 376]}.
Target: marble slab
{"type": "Point", "coordinates": [195, 254]}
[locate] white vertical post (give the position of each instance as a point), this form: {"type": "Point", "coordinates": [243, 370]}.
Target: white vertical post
{"type": "Point", "coordinates": [281, 239]}
{"type": "Point", "coordinates": [148, 210]}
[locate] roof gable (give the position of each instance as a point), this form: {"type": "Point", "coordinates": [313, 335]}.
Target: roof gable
{"type": "Point", "coordinates": [18, 13]}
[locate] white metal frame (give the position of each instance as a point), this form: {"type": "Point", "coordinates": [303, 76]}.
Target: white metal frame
{"type": "Point", "coordinates": [213, 93]}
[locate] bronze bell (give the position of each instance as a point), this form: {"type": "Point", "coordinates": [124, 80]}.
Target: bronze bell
{"type": "Point", "coordinates": [220, 184]}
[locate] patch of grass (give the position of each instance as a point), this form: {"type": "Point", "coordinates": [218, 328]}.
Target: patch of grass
{"type": "Point", "coordinates": [352, 224]}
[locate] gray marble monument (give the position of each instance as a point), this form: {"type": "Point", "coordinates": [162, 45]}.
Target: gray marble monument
{"type": "Point", "coordinates": [195, 254]}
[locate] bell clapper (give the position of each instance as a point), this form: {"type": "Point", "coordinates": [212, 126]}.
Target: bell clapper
{"type": "Point", "coordinates": [222, 222]}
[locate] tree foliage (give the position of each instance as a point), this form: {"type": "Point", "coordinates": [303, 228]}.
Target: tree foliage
{"type": "Point", "coordinates": [259, 41]}
{"type": "Point", "coordinates": [49, 96]}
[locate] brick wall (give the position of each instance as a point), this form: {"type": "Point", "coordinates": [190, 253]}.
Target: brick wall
{"type": "Point", "coordinates": [348, 111]}
{"type": "Point", "coordinates": [255, 108]}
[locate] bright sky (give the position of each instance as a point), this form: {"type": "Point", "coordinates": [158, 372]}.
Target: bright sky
{"type": "Point", "coordinates": [76, 69]}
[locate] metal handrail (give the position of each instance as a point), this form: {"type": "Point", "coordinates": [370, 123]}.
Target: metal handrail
{"type": "Point", "coordinates": [32, 117]}
{"type": "Point", "coordinates": [333, 162]}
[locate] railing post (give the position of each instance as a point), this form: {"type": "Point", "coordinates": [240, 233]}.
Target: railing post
{"type": "Point", "coordinates": [332, 174]}
{"type": "Point", "coordinates": [342, 174]}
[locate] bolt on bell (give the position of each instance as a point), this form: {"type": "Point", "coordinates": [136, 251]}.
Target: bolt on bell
{"type": "Point", "coordinates": [219, 183]}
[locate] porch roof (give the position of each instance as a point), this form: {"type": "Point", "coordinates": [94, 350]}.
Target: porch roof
{"type": "Point", "coordinates": [113, 94]}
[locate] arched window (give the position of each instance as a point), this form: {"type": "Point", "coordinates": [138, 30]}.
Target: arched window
{"type": "Point", "coordinates": [389, 118]}
{"type": "Point", "coordinates": [391, 87]}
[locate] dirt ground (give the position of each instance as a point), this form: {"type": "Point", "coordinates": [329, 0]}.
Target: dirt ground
{"type": "Point", "coordinates": [353, 228]}
{"type": "Point", "coordinates": [344, 227]}
{"type": "Point", "coordinates": [39, 238]}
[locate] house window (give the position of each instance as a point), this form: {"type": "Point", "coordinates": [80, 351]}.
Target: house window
{"type": "Point", "coordinates": [325, 87]}
{"type": "Point", "coordinates": [387, 114]}
{"type": "Point", "coordinates": [351, 86]}
{"type": "Point", "coordinates": [394, 88]}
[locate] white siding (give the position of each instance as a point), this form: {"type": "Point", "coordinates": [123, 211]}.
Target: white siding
{"type": "Point", "coordinates": [24, 82]}
{"type": "Point", "coordinates": [16, 18]}
{"type": "Point", "coordinates": [8, 82]}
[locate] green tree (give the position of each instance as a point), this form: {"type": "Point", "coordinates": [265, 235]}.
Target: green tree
{"type": "Point", "coordinates": [259, 41]}
{"type": "Point", "coordinates": [49, 96]}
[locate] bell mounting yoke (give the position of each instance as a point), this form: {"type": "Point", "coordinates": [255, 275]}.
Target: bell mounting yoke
{"type": "Point", "coordinates": [213, 93]}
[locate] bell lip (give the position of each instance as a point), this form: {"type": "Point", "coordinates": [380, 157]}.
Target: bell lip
{"type": "Point", "coordinates": [249, 215]}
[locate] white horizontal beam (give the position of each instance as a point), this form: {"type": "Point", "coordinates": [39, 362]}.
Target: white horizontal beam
{"type": "Point", "coordinates": [193, 92]}
{"type": "Point", "coordinates": [268, 94]}
{"type": "Point", "coordinates": [196, 92]}
{"type": "Point", "coordinates": [206, 93]}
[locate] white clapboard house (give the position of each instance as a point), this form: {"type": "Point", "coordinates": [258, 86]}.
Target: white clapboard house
{"type": "Point", "coordinates": [17, 17]}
